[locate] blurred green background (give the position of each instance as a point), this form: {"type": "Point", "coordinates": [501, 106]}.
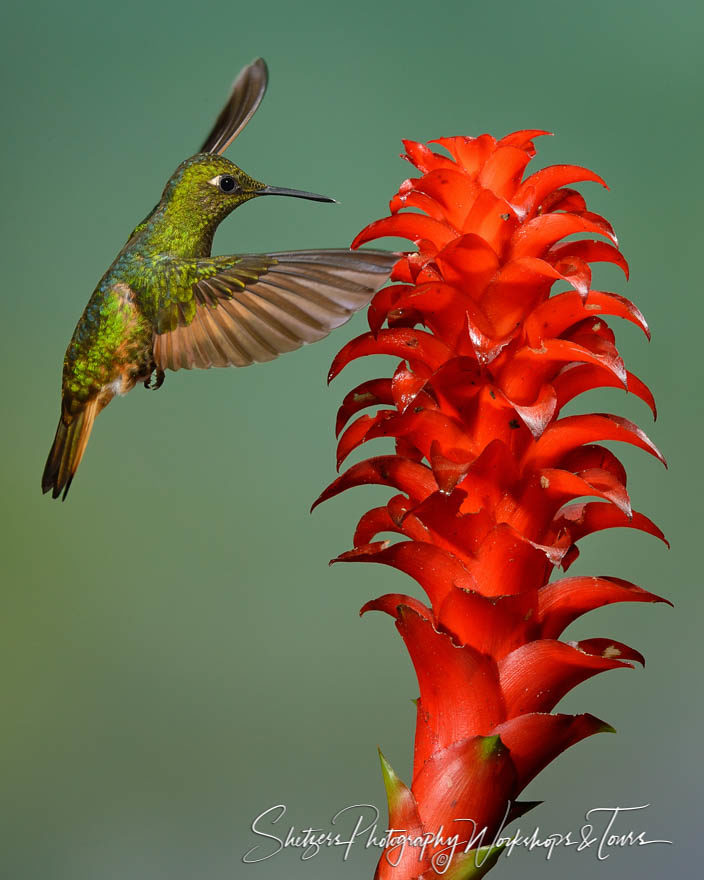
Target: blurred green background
{"type": "Point", "coordinates": [176, 655]}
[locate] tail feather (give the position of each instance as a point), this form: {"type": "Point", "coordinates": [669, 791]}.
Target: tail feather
{"type": "Point", "coordinates": [67, 450]}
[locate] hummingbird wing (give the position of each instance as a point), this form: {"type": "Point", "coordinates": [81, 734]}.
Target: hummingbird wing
{"type": "Point", "coordinates": [246, 95]}
{"type": "Point", "coordinates": [248, 309]}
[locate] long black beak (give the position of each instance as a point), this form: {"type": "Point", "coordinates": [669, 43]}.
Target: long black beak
{"type": "Point", "coordinates": [296, 193]}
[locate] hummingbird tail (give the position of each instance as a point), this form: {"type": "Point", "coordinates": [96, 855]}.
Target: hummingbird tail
{"type": "Point", "coordinates": [68, 448]}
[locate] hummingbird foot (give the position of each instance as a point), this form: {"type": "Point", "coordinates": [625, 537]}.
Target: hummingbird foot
{"type": "Point", "coordinates": [160, 376]}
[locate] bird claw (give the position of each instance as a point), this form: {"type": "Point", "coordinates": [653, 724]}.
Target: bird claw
{"type": "Point", "coordinates": [160, 376]}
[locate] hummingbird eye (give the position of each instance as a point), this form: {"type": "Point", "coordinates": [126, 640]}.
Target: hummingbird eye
{"type": "Point", "coordinates": [227, 183]}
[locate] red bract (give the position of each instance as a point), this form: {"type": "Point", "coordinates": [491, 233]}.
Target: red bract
{"type": "Point", "coordinates": [487, 473]}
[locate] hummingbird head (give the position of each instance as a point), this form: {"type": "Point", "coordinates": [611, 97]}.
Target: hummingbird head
{"type": "Point", "coordinates": [207, 187]}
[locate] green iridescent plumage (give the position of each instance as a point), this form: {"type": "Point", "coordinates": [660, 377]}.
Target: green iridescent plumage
{"type": "Point", "coordinates": [166, 303]}
{"type": "Point", "coordinates": [150, 286]}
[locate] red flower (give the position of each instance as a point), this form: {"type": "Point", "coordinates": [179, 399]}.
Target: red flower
{"type": "Point", "coordinates": [485, 472]}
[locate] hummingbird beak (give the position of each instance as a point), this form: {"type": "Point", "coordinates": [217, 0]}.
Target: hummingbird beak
{"type": "Point", "coordinates": [296, 193]}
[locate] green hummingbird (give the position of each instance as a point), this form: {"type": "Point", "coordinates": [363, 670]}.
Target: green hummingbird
{"type": "Point", "coordinates": [166, 303]}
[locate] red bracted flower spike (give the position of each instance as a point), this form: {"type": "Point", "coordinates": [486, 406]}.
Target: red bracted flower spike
{"type": "Point", "coordinates": [486, 474]}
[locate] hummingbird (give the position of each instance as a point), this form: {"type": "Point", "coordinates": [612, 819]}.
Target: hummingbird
{"type": "Point", "coordinates": [166, 303]}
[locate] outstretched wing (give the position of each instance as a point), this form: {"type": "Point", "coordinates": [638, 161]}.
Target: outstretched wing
{"type": "Point", "coordinates": [246, 309]}
{"type": "Point", "coordinates": [246, 95]}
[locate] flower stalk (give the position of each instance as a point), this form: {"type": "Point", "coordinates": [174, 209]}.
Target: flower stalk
{"type": "Point", "coordinates": [497, 328]}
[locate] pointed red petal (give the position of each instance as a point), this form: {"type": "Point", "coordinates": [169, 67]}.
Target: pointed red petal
{"type": "Point", "coordinates": [590, 250]}
{"type": "Point", "coordinates": [503, 170]}
{"type": "Point", "coordinates": [610, 649]}
{"type": "Point", "coordinates": [494, 626]}
{"type": "Point", "coordinates": [580, 378]}
{"type": "Point", "coordinates": [408, 197]}
{"type": "Point", "coordinates": [538, 415]}
{"type": "Point", "coordinates": [422, 427]}
{"type": "Point", "coordinates": [554, 316]}
{"type": "Point", "coordinates": [451, 191]}
{"type": "Point", "coordinates": [550, 488]}
{"type": "Point", "coordinates": [376, 391]}
{"type": "Point", "coordinates": [529, 368]}
{"type": "Point", "coordinates": [414, 227]}
{"type": "Point", "coordinates": [466, 787]}
{"type": "Point", "coordinates": [536, 676]}
{"type": "Point", "coordinates": [588, 457]}
{"type": "Point", "coordinates": [434, 569]}
{"type": "Point", "coordinates": [515, 291]}
{"type": "Point", "coordinates": [554, 177]}
{"type": "Point", "coordinates": [405, 387]}
{"type": "Point", "coordinates": [357, 432]}
{"type": "Point", "coordinates": [459, 686]}
{"type": "Point", "coordinates": [536, 739]}
{"type": "Point", "coordinates": [565, 199]}
{"type": "Point", "coordinates": [391, 602]}
{"type": "Point", "coordinates": [563, 601]}
{"type": "Point", "coordinates": [424, 158]}
{"type": "Point", "coordinates": [614, 304]}
{"type": "Point", "coordinates": [533, 238]}
{"type": "Point", "coordinates": [447, 527]}
{"type": "Point", "coordinates": [528, 563]}
{"type": "Point", "coordinates": [493, 219]}
{"type": "Point", "coordinates": [415, 479]}
{"type": "Point", "coordinates": [411, 345]}
{"type": "Point", "coordinates": [584, 519]}
{"type": "Point", "coordinates": [573, 431]}
{"type": "Point", "coordinates": [448, 471]}
{"type": "Point", "coordinates": [470, 152]}
{"type": "Point", "coordinates": [524, 138]}
{"type": "Point", "coordinates": [372, 523]}
{"type": "Point", "coordinates": [468, 264]}
{"type": "Point", "coordinates": [383, 303]}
